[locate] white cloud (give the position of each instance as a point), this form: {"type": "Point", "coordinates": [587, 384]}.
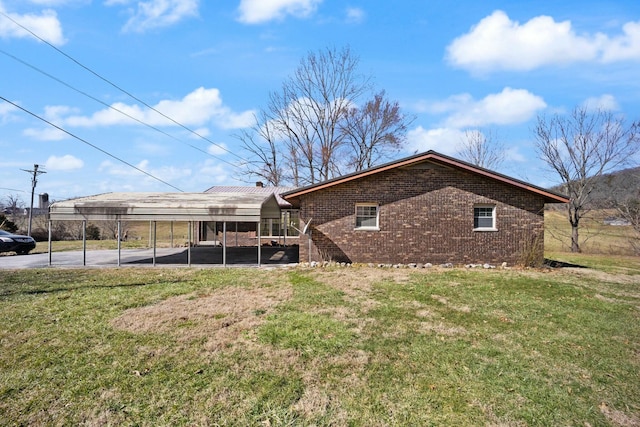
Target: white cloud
{"type": "Point", "coordinates": [258, 11]}
{"type": "Point", "coordinates": [156, 13]}
{"type": "Point", "coordinates": [442, 140]}
{"type": "Point", "coordinates": [218, 149]}
{"type": "Point", "coordinates": [604, 102]}
{"type": "Point", "coordinates": [212, 173]}
{"type": "Point", "coordinates": [200, 132]}
{"type": "Point", "coordinates": [512, 154]}
{"type": "Point", "coordinates": [165, 173]}
{"type": "Point", "coordinates": [46, 25]}
{"type": "Point", "coordinates": [54, 113]}
{"type": "Point", "coordinates": [197, 108]}
{"type": "Point", "coordinates": [355, 15]}
{"type": "Point", "coordinates": [507, 107]}
{"type": "Point", "coordinates": [6, 112]}
{"type": "Point", "coordinates": [63, 163]}
{"type": "Point", "coordinates": [55, 2]}
{"type": "Point", "coordinates": [151, 148]}
{"type": "Point", "coordinates": [45, 134]}
{"type": "Point", "coordinates": [120, 169]}
{"type": "Point", "coordinates": [625, 47]}
{"type": "Point", "coordinates": [499, 43]}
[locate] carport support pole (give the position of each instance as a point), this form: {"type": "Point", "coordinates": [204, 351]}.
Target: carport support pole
{"type": "Point", "coordinates": [189, 247]}
{"type": "Point", "coordinates": [287, 218]}
{"type": "Point", "coordinates": [49, 243]}
{"type": "Point", "coordinates": [310, 246]}
{"type": "Point", "coordinates": [84, 242]}
{"type": "Point", "coordinates": [118, 237]}
{"type": "Point", "coordinates": [259, 243]}
{"type": "Point", "coordinates": [155, 241]}
{"type": "Point", "coordinates": [224, 242]}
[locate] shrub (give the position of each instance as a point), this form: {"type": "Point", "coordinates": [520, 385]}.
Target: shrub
{"type": "Point", "coordinates": [7, 225]}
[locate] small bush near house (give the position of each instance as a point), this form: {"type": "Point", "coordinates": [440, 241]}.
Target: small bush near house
{"type": "Point", "coordinates": [93, 232]}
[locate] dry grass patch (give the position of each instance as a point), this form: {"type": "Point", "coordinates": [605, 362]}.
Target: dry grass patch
{"type": "Point", "coordinates": [221, 316]}
{"type": "Point", "coordinates": [358, 283]}
{"type": "Point", "coordinates": [444, 301]}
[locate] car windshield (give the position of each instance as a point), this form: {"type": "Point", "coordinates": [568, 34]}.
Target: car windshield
{"type": "Point", "coordinates": [4, 233]}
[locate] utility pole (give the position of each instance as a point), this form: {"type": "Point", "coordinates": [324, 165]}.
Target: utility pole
{"type": "Point", "coordinates": [34, 181]}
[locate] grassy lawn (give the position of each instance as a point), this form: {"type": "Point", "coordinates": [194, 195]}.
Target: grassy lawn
{"type": "Point", "coordinates": [345, 346]}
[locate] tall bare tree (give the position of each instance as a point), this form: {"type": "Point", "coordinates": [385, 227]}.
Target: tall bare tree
{"type": "Point", "coordinates": [308, 109]}
{"type": "Point", "coordinates": [15, 208]}
{"type": "Point", "coordinates": [374, 131]}
{"type": "Point", "coordinates": [580, 148]}
{"type": "Point", "coordinates": [482, 148]}
{"type": "Point", "coordinates": [265, 160]}
{"type": "Point", "coordinates": [308, 131]}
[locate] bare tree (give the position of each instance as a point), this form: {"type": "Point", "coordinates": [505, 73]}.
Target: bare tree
{"type": "Point", "coordinates": [482, 148]}
{"type": "Point", "coordinates": [308, 109]}
{"type": "Point", "coordinates": [374, 132]}
{"type": "Point", "coordinates": [264, 152]}
{"type": "Point", "coordinates": [580, 148]}
{"type": "Point", "coordinates": [629, 210]}
{"type": "Point", "coordinates": [15, 210]}
{"type": "Point", "coordinates": [312, 128]}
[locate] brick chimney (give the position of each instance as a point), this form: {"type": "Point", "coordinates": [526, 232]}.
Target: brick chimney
{"type": "Point", "coordinates": [259, 184]}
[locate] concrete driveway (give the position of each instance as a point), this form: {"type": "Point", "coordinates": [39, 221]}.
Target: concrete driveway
{"type": "Point", "coordinates": [204, 256]}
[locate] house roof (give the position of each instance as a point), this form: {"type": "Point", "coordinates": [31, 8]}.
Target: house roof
{"type": "Point", "coordinates": [429, 156]}
{"type": "Point", "coordinates": [229, 206]}
{"type": "Point", "coordinates": [277, 191]}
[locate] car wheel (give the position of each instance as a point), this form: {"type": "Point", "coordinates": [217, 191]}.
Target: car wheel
{"type": "Point", "coordinates": [23, 252]}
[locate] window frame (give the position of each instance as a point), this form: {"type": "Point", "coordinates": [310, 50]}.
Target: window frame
{"type": "Point", "coordinates": [493, 217]}
{"type": "Point", "coordinates": [377, 217]}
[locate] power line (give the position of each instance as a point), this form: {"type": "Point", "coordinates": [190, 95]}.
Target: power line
{"type": "Point", "coordinates": [12, 189]}
{"type": "Point", "coordinates": [119, 88]}
{"type": "Point", "coordinates": [33, 67]}
{"type": "Point", "coordinates": [90, 144]}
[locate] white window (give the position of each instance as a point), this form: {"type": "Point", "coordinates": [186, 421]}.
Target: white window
{"type": "Point", "coordinates": [484, 217]}
{"type": "Point", "coordinates": [367, 216]}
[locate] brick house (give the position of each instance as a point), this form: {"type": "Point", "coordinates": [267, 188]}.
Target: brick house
{"type": "Point", "coordinates": [424, 208]}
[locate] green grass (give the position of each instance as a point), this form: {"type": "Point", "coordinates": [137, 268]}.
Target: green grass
{"type": "Point", "coordinates": [351, 346]}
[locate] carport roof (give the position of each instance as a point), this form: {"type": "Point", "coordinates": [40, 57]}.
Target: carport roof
{"type": "Point", "coordinates": [240, 207]}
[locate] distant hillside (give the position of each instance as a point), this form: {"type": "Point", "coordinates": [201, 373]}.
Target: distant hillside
{"type": "Point", "coordinates": [615, 186]}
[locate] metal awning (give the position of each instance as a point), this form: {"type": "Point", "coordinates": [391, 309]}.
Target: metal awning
{"type": "Point", "coordinates": [187, 207]}
{"type": "Point", "coordinates": [240, 207]}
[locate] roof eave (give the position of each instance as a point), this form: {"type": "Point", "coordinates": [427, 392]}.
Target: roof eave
{"type": "Point", "coordinates": [549, 196]}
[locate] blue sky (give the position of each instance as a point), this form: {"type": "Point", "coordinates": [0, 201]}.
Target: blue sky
{"type": "Point", "coordinates": [210, 65]}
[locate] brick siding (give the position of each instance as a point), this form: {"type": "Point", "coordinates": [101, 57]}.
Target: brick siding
{"type": "Point", "coordinates": [425, 215]}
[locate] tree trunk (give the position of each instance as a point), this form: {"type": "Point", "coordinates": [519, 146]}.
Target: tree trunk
{"type": "Point", "coordinates": [575, 246]}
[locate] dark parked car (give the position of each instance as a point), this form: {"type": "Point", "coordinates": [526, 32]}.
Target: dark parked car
{"type": "Point", "coordinates": [10, 242]}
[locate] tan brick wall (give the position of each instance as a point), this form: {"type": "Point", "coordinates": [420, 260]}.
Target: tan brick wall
{"type": "Point", "coordinates": [426, 215]}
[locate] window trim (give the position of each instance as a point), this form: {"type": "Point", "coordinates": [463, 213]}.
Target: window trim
{"type": "Point", "coordinates": [367, 227]}
{"type": "Point", "coordinates": [493, 217]}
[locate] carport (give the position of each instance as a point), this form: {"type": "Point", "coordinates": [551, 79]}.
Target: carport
{"type": "Point", "coordinates": [153, 207]}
